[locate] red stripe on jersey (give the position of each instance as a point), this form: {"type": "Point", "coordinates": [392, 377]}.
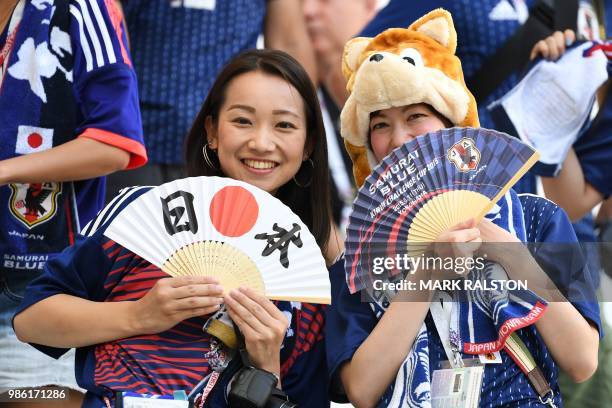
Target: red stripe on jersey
{"type": "Point", "coordinates": [117, 18]}
{"type": "Point", "coordinates": [69, 221]}
{"type": "Point", "coordinates": [309, 331]}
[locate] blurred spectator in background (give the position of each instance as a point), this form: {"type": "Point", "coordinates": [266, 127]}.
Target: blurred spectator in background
{"type": "Point", "coordinates": [330, 24]}
{"type": "Point", "coordinates": [68, 115]}
{"type": "Point", "coordinates": [178, 47]}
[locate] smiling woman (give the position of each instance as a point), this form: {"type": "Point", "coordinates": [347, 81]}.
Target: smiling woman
{"type": "Point", "coordinates": [260, 136]}
{"type": "Point", "coordinates": [260, 124]}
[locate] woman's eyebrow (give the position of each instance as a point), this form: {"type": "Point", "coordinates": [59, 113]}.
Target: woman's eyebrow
{"type": "Point", "coordinates": [414, 108]}
{"type": "Point", "coordinates": [285, 111]}
{"type": "Point", "coordinates": [243, 107]}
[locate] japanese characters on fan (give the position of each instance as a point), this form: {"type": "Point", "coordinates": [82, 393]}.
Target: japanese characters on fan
{"type": "Point", "coordinates": [260, 124]}
{"type": "Point", "coordinates": [359, 370]}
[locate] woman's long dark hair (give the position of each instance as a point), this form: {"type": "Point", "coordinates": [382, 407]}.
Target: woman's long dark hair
{"type": "Point", "coordinates": [312, 202]}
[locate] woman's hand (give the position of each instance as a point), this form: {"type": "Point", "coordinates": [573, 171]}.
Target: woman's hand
{"type": "Point", "coordinates": [553, 46]}
{"type": "Point", "coordinates": [459, 241]}
{"type": "Point", "coordinates": [173, 300]}
{"type": "Point", "coordinates": [261, 323]}
{"type": "Point", "coordinates": [489, 232]}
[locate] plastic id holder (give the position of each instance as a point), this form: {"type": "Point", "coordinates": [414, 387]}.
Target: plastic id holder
{"type": "Point", "coordinates": [133, 400]}
{"type": "Point", "coordinates": [457, 387]}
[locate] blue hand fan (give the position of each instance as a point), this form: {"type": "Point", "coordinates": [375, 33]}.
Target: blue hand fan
{"type": "Point", "coordinates": [426, 186]}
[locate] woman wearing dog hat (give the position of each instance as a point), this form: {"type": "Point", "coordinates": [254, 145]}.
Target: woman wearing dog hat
{"type": "Point", "coordinates": [405, 83]}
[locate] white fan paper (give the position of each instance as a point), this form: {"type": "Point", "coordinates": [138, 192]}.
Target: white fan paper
{"type": "Point", "coordinates": [228, 229]}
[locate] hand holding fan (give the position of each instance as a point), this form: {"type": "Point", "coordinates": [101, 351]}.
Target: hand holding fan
{"type": "Point", "coordinates": [227, 229]}
{"type": "Point", "coordinates": [426, 186]}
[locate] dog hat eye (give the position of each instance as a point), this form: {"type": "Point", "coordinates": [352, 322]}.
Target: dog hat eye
{"type": "Point", "coordinates": [412, 56]}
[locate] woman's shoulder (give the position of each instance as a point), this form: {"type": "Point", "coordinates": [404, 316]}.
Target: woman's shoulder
{"type": "Point", "coordinates": [545, 221]}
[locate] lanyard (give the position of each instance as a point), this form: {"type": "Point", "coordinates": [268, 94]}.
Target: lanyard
{"type": "Point", "coordinates": [445, 314]}
{"type": "Point", "coordinates": [10, 39]}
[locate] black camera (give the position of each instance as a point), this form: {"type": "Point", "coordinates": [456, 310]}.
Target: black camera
{"type": "Point", "coordinates": [255, 388]}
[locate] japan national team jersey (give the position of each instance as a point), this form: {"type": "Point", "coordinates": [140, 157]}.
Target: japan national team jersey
{"type": "Point", "coordinates": [350, 321]}
{"type": "Point", "coordinates": [68, 75]}
{"type": "Point", "coordinates": [98, 269]}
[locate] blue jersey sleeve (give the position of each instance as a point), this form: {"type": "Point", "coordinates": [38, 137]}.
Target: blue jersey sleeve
{"type": "Point", "coordinates": [594, 149]}
{"type": "Point", "coordinates": [560, 255]}
{"type": "Point", "coordinates": [105, 84]}
{"type": "Point", "coordinates": [79, 270]}
{"type": "Point", "coordinates": [349, 322]}
{"type": "Point", "coordinates": [400, 14]}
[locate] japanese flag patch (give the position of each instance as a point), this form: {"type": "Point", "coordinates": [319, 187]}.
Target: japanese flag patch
{"type": "Point", "coordinates": [31, 139]}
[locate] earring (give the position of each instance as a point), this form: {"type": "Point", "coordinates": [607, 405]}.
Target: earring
{"type": "Point", "coordinates": [207, 158]}
{"type": "Point", "coordinates": [307, 184]}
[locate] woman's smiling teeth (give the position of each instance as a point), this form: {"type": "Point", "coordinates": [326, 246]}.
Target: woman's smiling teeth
{"type": "Point", "coordinates": [259, 164]}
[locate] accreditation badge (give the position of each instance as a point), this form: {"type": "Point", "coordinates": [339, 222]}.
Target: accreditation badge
{"type": "Point", "coordinates": [457, 387]}
{"type": "Point", "coordinates": [134, 400]}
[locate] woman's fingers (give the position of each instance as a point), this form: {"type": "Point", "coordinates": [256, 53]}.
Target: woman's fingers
{"type": "Point", "coordinates": [246, 329]}
{"type": "Point", "coordinates": [198, 289]}
{"type": "Point", "coordinates": [469, 223]}
{"type": "Point", "coordinates": [463, 235]}
{"type": "Point", "coordinates": [570, 37]}
{"type": "Point", "coordinates": [553, 46]}
{"type": "Point", "coordinates": [490, 232]}
{"type": "Point", "coordinates": [196, 302]}
{"type": "Point", "coordinates": [236, 301]}
{"type": "Point", "coordinates": [540, 48]}
{"type": "Point", "coordinates": [262, 301]}
{"type": "Point", "coordinates": [261, 315]}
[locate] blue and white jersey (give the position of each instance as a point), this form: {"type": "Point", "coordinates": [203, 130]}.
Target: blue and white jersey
{"type": "Point", "coordinates": [68, 75]}
{"type": "Point", "coordinates": [350, 321]}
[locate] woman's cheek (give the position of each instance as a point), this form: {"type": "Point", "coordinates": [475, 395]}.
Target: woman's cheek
{"type": "Point", "coordinates": [379, 146]}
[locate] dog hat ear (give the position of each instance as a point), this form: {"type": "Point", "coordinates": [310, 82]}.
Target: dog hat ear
{"type": "Point", "coordinates": [350, 58]}
{"type": "Point", "coordinates": [438, 25]}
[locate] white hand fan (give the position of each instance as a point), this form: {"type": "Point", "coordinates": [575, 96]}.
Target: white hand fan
{"type": "Point", "coordinates": [212, 226]}
{"type": "Point", "coordinates": [426, 186]}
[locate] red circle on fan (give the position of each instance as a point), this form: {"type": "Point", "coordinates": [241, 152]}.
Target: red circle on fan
{"type": "Point", "coordinates": [233, 211]}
